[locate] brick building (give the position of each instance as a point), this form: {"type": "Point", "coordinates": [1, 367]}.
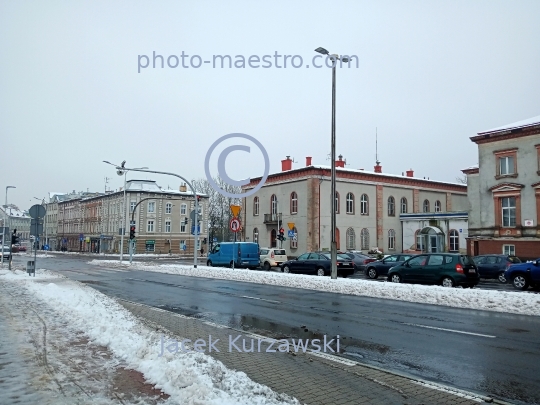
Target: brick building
{"type": "Point", "coordinates": [370, 206]}
{"type": "Point", "coordinates": [504, 191]}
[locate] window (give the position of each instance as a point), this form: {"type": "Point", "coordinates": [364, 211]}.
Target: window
{"type": "Point", "coordinates": [183, 209]}
{"type": "Point", "coordinates": [349, 203]}
{"type": "Point", "coordinates": [256, 206]}
{"type": "Point", "coordinates": [336, 203]}
{"type": "Point", "coordinates": [418, 261]}
{"type": "Point", "coordinates": [391, 239]}
{"type": "Point", "coordinates": [454, 241]}
{"type": "Point", "coordinates": [167, 226]}
{"type": "Point", "coordinates": [509, 250]}
{"type": "Point", "coordinates": [182, 244]}
{"type": "Point", "coordinates": [391, 207]}
{"type": "Point", "coordinates": [426, 205]}
{"type": "Point", "coordinates": [294, 203]}
{"type": "Point", "coordinates": [183, 226]}
{"type": "Point", "coordinates": [419, 241]}
{"type": "Point", "coordinates": [294, 240]}
{"type": "Point", "coordinates": [509, 211]}
{"type": "Point", "coordinates": [168, 208]}
{"type": "Point", "coordinates": [273, 240]}
{"type": "Point", "coordinates": [364, 239]}
{"type": "Point", "coordinates": [151, 206]}
{"type": "Point", "coordinates": [256, 232]}
{"type": "Point", "coordinates": [351, 239]}
{"type": "Point", "coordinates": [403, 205]}
{"type": "Point", "coordinates": [150, 226]}
{"type": "Point", "coordinates": [273, 204]}
{"type": "Point", "coordinates": [436, 260]}
{"type": "Point", "coordinates": [506, 165]}
{"type": "Point", "coordinates": [437, 206]}
{"type": "Point", "coordinates": [364, 205]}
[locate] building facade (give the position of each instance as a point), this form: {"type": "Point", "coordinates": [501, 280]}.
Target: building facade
{"type": "Point", "coordinates": [504, 191]}
{"type": "Point", "coordinates": [14, 218]}
{"type": "Point", "coordinates": [368, 204]}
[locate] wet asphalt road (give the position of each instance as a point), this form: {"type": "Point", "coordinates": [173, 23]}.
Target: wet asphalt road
{"type": "Point", "coordinates": [486, 352]}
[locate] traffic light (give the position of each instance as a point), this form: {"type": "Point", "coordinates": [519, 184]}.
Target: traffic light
{"type": "Point", "coordinates": [185, 221]}
{"type": "Point", "coordinates": [198, 199]}
{"type": "Point", "coordinates": [132, 232]}
{"type": "Point", "coordinates": [14, 238]}
{"type": "Point", "coordinates": [281, 234]}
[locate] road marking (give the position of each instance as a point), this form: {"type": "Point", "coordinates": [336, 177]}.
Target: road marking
{"type": "Point", "coordinates": [453, 391]}
{"type": "Point", "coordinates": [336, 359]}
{"type": "Point", "coordinates": [448, 330]}
{"type": "Point", "coordinates": [260, 299]}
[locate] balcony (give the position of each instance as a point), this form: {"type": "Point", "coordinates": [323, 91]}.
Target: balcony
{"type": "Point", "coordinates": [270, 219]}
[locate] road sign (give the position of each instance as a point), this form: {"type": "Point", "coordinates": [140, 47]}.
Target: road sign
{"type": "Point", "coordinates": [37, 211]}
{"type": "Point", "coordinates": [184, 247]}
{"type": "Point", "coordinates": [295, 237]}
{"type": "Point", "coordinates": [192, 216]}
{"type": "Point", "coordinates": [198, 230]}
{"type": "Point", "coordinates": [234, 225]}
{"type": "Point", "coordinates": [290, 233]}
{"type": "Point", "coordinates": [290, 225]}
{"type": "Point", "coordinates": [214, 240]}
{"type": "Point", "coordinates": [235, 209]}
{"type": "Point", "coordinates": [46, 247]}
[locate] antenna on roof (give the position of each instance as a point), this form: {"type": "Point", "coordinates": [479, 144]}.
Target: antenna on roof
{"type": "Point", "coordinates": [376, 149]}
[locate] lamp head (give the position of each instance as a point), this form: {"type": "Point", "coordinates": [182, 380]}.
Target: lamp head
{"type": "Point", "coordinates": [322, 51]}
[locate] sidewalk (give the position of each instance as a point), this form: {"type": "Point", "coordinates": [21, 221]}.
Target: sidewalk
{"type": "Point", "coordinates": [311, 379]}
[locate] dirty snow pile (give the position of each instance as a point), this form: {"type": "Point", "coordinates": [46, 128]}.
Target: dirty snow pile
{"type": "Point", "coordinates": [189, 378]}
{"type": "Point", "coordinates": [490, 300]}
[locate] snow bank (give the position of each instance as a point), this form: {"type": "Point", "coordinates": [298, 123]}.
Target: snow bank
{"type": "Point", "coordinates": [189, 378]}
{"type": "Point", "coordinates": [490, 300]}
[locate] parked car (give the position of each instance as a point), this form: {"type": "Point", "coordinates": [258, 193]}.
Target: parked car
{"type": "Point", "coordinates": [446, 269]}
{"type": "Point", "coordinates": [6, 252]}
{"type": "Point", "coordinates": [381, 267]}
{"type": "Point", "coordinates": [272, 257]}
{"type": "Point", "coordinates": [318, 263]}
{"type": "Point", "coordinates": [242, 254]}
{"type": "Point", "coordinates": [359, 259]}
{"type": "Point", "coordinates": [523, 275]}
{"type": "Point", "coordinates": [494, 266]}
{"type": "Point", "coordinates": [22, 248]}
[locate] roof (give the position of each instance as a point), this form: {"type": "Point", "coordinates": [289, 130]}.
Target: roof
{"type": "Point", "coordinates": [14, 212]}
{"type": "Point", "coordinates": [519, 124]}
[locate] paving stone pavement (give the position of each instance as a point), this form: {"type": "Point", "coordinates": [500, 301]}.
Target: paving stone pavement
{"type": "Point", "coordinates": [313, 380]}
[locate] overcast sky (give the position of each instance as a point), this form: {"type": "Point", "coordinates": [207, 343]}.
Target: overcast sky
{"type": "Point", "coordinates": [430, 75]}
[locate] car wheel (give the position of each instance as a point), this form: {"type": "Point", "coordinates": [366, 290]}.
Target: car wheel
{"type": "Point", "coordinates": [372, 273]}
{"type": "Point", "coordinates": [501, 277]}
{"type": "Point", "coordinates": [520, 282]}
{"type": "Point", "coordinates": [395, 278]}
{"type": "Point", "coordinates": [209, 263]}
{"type": "Point", "coordinates": [320, 271]}
{"type": "Point", "coordinates": [286, 269]}
{"type": "Point", "coordinates": [266, 266]}
{"type": "Point", "coordinates": [447, 282]}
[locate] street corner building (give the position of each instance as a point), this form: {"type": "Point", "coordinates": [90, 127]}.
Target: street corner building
{"type": "Point", "coordinates": [393, 213]}
{"type": "Point", "coordinates": [504, 191]}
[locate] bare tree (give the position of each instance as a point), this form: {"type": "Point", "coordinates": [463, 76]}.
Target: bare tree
{"type": "Point", "coordinates": [462, 179]}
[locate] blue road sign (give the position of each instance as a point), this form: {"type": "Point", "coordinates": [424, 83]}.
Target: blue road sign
{"type": "Point", "coordinates": [290, 234]}
{"type": "Point", "coordinates": [198, 230]}
{"type": "Point", "coordinates": [46, 247]}
{"type": "Point", "coordinates": [184, 247]}
{"type": "Point", "coordinates": [215, 240]}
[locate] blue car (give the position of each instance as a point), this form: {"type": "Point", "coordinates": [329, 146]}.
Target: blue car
{"type": "Point", "coordinates": [524, 275]}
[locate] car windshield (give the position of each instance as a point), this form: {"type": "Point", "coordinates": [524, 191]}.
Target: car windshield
{"type": "Point", "coordinates": [341, 256]}
{"type": "Point", "coordinates": [513, 259]}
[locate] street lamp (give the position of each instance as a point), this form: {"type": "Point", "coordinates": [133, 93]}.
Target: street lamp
{"type": "Point", "coordinates": [6, 223]}
{"type": "Point", "coordinates": [124, 172]}
{"type": "Point", "coordinates": [333, 244]}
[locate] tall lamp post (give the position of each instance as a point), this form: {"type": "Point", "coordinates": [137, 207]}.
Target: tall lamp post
{"type": "Point", "coordinates": [124, 215]}
{"type": "Point", "coordinates": [6, 223]}
{"type": "Point", "coordinates": [333, 244]}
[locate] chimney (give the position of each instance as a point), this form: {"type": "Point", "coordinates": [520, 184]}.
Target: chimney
{"type": "Point", "coordinates": [410, 173]}
{"type": "Point", "coordinates": [183, 187]}
{"type": "Point", "coordinates": [286, 164]}
{"type": "Point", "coordinates": [378, 167]}
{"type": "Point", "coordinates": [340, 162]}
{"type": "Point", "coordinates": [308, 160]}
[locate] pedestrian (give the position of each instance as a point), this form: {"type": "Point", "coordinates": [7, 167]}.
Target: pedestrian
{"type": "Point", "coordinates": [202, 251]}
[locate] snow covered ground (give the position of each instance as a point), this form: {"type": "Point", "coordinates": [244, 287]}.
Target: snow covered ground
{"type": "Point", "coordinates": [81, 313]}
{"type": "Point", "coordinates": [490, 300]}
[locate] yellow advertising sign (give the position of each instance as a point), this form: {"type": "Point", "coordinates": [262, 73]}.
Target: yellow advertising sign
{"type": "Point", "coordinates": [291, 225]}
{"type": "Point", "coordinates": [235, 209]}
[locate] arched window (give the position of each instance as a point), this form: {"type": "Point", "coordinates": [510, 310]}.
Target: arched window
{"type": "Point", "coordinates": [273, 204]}
{"type": "Point", "coordinates": [364, 205]}
{"type": "Point", "coordinates": [364, 239]}
{"type": "Point", "coordinates": [255, 235]}
{"type": "Point", "coordinates": [391, 239]}
{"type": "Point", "coordinates": [294, 203]}
{"type": "Point", "coordinates": [391, 207]}
{"type": "Point", "coordinates": [256, 206]}
{"type": "Point", "coordinates": [294, 239]}
{"type": "Point", "coordinates": [351, 239]}
{"type": "Point", "coordinates": [426, 205]}
{"type": "Point", "coordinates": [403, 205]}
{"type": "Point", "coordinates": [437, 206]}
{"type": "Point", "coordinates": [454, 241]}
{"type": "Point", "coordinates": [350, 203]}
{"type": "Point", "coordinates": [337, 203]}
